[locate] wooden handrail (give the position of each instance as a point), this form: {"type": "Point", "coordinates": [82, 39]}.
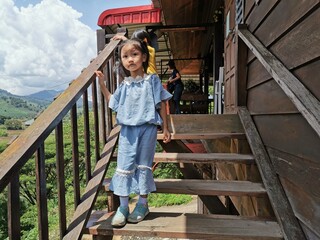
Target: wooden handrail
{"type": "Point", "coordinates": [16, 155]}
{"type": "Point", "coordinates": [31, 142]}
{"type": "Point", "coordinates": [306, 103]}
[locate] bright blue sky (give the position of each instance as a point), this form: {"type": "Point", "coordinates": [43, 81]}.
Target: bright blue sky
{"type": "Point", "coordinates": [91, 9]}
{"type": "Point", "coordinates": [44, 44]}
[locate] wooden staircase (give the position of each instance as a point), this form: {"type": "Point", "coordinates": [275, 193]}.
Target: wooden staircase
{"type": "Point", "coordinates": [192, 225]}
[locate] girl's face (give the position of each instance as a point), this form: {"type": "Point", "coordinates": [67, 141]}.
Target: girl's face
{"type": "Point", "coordinates": [132, 60]}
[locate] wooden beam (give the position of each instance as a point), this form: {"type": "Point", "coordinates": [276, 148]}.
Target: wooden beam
{"type": "Point", "coordinates": [279, 201]}
{"type": "Point", "coordinates": [205, 187]}
{"type": "Point", "coordinates": [208, 135]}
{"type": "Point", "coordinates": [307, 104]}
{"type": "Point", "coordinates": [204, 158]}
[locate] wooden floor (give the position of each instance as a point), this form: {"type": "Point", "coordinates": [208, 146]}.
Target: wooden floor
{"type": "Point", "coordinates": [188, 225]}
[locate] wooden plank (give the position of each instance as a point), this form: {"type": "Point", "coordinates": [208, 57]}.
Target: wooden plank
{"type": "Point", "coordinates": [210, 135]}
{"type": "Point", "coordinates": [205, 187]}
{"type": "Point", "coordinates": [306, 213]}
{"type": "Point", "coordinates": [259, 13]}
{"type": "Point", "coordinates": [263, 90]}
{"type": "Point", "coordinates": [299, 171]}
{"type": "Point", "coordinates": [188, 170]}
{"type": "Point", "coordinates": [300, 177]}
{"type": "Point", "coordinates": [303, 99]}
{"type": "Point", "coordinates": [301, 44]}
{"type": "Point", "coordinates": [209, 187]}
{"type": "Point", "coordinates": [189, 226]}
{"type": "Point", "coordinates": [204, 123]}
{"type": "Point", "coordinates": [296, 138]}
{"type": "Point", "coordinates": [285, 15]}
{"type": "Point", "coordinates": [249, 5]}
{"type": "Point", "coordinates": [208, 158]}
{"type": "Point", "coordinates": [281, 206]}
{"type": "Point", "coordinates": [269, 98]}
{"type": "Point", "coordinates": [83, 211]}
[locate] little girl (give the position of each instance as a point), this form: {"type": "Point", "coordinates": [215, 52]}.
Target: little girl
{"type": "Point", "coordinates": [136, 101]}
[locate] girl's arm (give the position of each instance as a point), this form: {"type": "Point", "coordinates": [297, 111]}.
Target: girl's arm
{"type": "Point", "coordinates": [163, 114]}
{"type": "Point", "coordinates": [103, 87]}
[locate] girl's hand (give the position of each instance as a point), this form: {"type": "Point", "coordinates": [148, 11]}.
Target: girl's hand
{"type": "Point", "coordinates": [166, 135]}
{"type": "Point", "coordinates": [99, 74]}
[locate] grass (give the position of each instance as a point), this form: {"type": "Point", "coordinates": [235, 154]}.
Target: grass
{"type": "Point", "coordinates": [166, 199]}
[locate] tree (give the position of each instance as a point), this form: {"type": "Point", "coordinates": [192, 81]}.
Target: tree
{"type": "Point", "coordinates": [13, 124]}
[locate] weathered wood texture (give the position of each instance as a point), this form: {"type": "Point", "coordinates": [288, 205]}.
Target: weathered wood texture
{"type": "Point", "coordinates": [190, 226]}
{"type": "Point", "coordinates": [282, 208]}
{"type": "Point", "coordinates": [205, 187]}
{"type": "Point", "coordinates": [204, 158]}
{"type": "Point", "coordinates": [290, 30]}
{"type": "Point", "coordinates": [305, 102]}
{"type": "Point", "coordinates": [302, 182]}
{"type": "Point", "coordinates": [288, 16]}
{"type": "Point", "coordinates": [245, 205]}
{"type": "Point", "coordinates": [201, 123]}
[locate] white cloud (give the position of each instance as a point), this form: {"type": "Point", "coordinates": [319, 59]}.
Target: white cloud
{"type": "Point", "coordinates": [42, 46]}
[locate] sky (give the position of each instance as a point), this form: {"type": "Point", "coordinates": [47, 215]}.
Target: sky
{"type": "Point", "coordinates": [44, 44]}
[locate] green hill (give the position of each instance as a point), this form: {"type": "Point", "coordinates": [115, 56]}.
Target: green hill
{"type": "Point", "coordinates": [20, 107]}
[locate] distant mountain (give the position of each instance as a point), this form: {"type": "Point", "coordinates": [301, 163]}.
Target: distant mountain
{"type": "Point", "coordinates": [46, 95]}
{"type": "Point", "coordinates": [27, 107]}
{"type": "Point", "coordinates": [23, 107]}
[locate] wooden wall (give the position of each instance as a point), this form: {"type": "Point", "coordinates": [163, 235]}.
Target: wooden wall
{"type": "Point", "coordinates": [290, 29]}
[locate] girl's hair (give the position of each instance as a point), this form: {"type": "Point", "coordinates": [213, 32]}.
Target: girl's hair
{"type": "Point", "coordinates": [138, 44]}
{"type": "Point", "coordinates": [141, 34]}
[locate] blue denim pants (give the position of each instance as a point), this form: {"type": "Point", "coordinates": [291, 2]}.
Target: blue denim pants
{"type": "Point", "coordinates": [136, 150]}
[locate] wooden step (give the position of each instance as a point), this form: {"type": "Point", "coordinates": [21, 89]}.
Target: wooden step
{"type": "Point", "coordinates": [205, 187]}
{"type": "Point", "coordinates": [187, 225]}
{"type": "Point", "coordinates": [204, 135]}
{"type": "Point", "coordinates": [205, 158]}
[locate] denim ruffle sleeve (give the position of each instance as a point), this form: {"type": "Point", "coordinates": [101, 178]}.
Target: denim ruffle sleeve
{"type": "Point", "coordinates": [115, 99]}
{"type": "Point", "coordinates": [159, 93]}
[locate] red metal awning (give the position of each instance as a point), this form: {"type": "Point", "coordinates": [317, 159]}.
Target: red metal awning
{"type": "Point", "coordinates": [128, 15]}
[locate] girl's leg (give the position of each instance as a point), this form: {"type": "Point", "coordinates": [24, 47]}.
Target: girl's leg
{"type": "Point", "coordinates": [143, 199]}
{"type": "Point", "coordinates": [144, 175]}
{"type": "Point", "coordinates": [124, 201]}
{"type": "Point", "coordinates": [120, 218]}
{"type": "Point", "coordinates": [122, 181]}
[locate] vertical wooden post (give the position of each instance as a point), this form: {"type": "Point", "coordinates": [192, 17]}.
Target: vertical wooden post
{"type": "Point", "coordinates": [75, 155]}
{"type": "Point", "coordinates": [60, 179]}
{"type": "Point", "coordinates": [95, 118]}
{"type": "Point", "coordinates": [14, 209]}
{"type": "Point", "coordinates": [86, 136]}
{"type": "Point", "coordinates": [41, 194]}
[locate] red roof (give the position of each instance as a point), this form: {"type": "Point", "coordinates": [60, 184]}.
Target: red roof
{"type": "Point", "coordinates": [138, 14]}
